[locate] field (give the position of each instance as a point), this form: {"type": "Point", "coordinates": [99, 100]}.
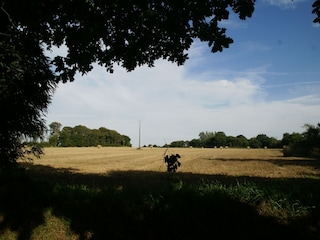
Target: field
{"type": "Point", "coordinates": [126, 193]}
{"type": "Point", "coordinates": [266, 163]}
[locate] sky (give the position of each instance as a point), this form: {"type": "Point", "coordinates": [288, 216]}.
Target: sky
{"type": "Point", "coordinates": [266, 82]}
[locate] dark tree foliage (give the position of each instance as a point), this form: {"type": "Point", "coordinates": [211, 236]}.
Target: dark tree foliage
{"type": "Point", "coordinates": [195, 143]}
{"type": "Point", "coordinates": [316, 11]}
{"type": "Point", "coordinates": [179, 144]}
{"type": "Point", "coordinates": [311, 143]}
{"type": "Point", "coordinates": [220, 139]}
{"type": "Point", "coordinates": [306, 144]}
{"type": "Point", "coordinates": [26, 85]}
{"type": "Point", "coordinates": [291, 139]}
{"type": "Point", "coordinates": [129, 33]}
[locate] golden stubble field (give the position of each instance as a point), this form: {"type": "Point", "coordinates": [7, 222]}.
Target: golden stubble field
{"type": "Point", "coordinates": [231, 162]}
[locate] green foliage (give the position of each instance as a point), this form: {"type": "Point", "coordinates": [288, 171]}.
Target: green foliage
{"type": "Point", "coordinates": [206, 136]}
{"type": "Point", "coordinates": [269, 142]}
{"type": "Point", "coordinates": [54, 140]}
{"type": "Point", "coordinates": [220, 139]}
{"type": "Point", "coordinates": [195, 143]}
{"type": "Point", "coordinates": [306, 144]}
{"type": "Point", "coordinates": [211, 139]}
{"type": "Point", "coordinates": [291, 203]}
{"type": "Point", "coordinates": [127, 34]}
{"type": "Point", "coordinates": [240, 141]}
{"type": "Point", "coordinates": [255, 143]}
{"type": "Point", "coordinates": [179, 144]}
{"type": "Point", "coordinates": [291, 139]}
{"type": "Point", "coordinates": [54, 133]}
{"type": "Point", "coordinates": [316, 11]}
{"type": "Point", "coordinates": [26, 88]}
{"type": "Point", "coordinates": [81, 136]}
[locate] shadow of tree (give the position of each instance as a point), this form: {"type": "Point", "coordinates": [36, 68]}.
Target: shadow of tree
{"type": "Point", "coordinates": [141, 205]}
{"type": "Point", "coordinates": [315, 163]}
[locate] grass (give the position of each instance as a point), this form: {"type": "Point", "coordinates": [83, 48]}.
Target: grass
{"type": "Point", "coordinates": [45, 202]}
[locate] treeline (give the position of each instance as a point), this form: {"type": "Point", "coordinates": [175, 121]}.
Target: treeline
{"type": "Point", "coordinates": [220, 139]}
{"type": "Point", "coordinates": [305, 144]}
{"type": "Point", "coordinates": [81, 136]}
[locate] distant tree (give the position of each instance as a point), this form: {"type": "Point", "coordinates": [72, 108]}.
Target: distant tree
{"type": "Point", "coordinates": [306, 144]}
{"type": "Point", "coordinates": [55, 128]}
{"type": "Point", "coordinates": [126, 141]}
{"type": "Point", "coordinates": [312, 134]}
{"type": "Point", "coordinates": [255, 143]}
{"type": "Point", "coordinates": [311, 143]}
{"type": "Point", "coordinates": [264, 140]}
{"type": "Point", "coordinates": [220, 139]}
{"type": "Point", "coordinates": [292, 139]}
{"type": "Point", "coordinates": [269, 142]}
{"type": "Point", "coordinates": [242, 141]}
{"type": "Point", "coordinates": [239, 142]}
{"type": "Point", "coordinates": [195, 143]}
{"type": "Point", "coordinates": [275, 143]}
{"type": "Point", "coordinates": [64, 138]}
{"type": "Point", "coordinates": [232, 141]}
{"type": "Point", "coordinates": [206, 138]}
{"type": "Point", "coordinates": [179, 144]}
{"type": "Point", "coordinates": [54, 140]}
{"type": "Point", "coordinates": [81, 136]}
{"type": "Point", "coordinates": [54, 133]}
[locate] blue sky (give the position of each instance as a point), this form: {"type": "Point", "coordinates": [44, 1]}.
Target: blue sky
{"type": "Point", "coordinates": [267, 81]}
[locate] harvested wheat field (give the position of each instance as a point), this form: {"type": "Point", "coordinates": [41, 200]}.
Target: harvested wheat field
{"type": "Point", "coordinates": [215, 161]}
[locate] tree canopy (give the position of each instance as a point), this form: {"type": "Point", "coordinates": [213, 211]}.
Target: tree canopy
{"type": "Point", "coordinates": [26, 86]}
{"type": "Point", "coordinates": [81, 136]}
{"type": "Point", "coordinates": [128, 33]}
{"type": "Point", "coordinates": [220, 139]}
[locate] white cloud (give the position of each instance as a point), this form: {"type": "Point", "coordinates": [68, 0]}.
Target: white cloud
{"type": "Point", "coordinates": [285, 3]}
{"type": "Point", "coordinates": [61, 51]}
{"type": "Point", "coordinates": [175, 106]}
{"type": "Point", "coordinates": [233, 23]}
{"type": "Point", "coordinates": [316, 25]}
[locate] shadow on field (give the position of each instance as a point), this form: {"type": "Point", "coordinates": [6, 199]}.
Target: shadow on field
{"type": "Point", "coordinates": [144, 205]}
{"type": "Point", "coordinates": [315, 163]}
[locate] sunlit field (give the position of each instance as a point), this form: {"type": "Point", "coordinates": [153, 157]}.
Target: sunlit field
{"type": "Point", "coordinates": [227, 161]}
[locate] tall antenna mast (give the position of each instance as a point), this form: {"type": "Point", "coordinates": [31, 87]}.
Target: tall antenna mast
{"type": "Point", "coordinates": [139, 133]}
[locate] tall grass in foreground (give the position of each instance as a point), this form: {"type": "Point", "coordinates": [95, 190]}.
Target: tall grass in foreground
{"type": "Point", "coordinates": [268, 200]}
{"type": "Point", "coordinates": [149, 205]}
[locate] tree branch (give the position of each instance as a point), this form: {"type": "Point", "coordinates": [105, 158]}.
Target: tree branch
{"type": "Point", "coordinates": [10, 19]}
